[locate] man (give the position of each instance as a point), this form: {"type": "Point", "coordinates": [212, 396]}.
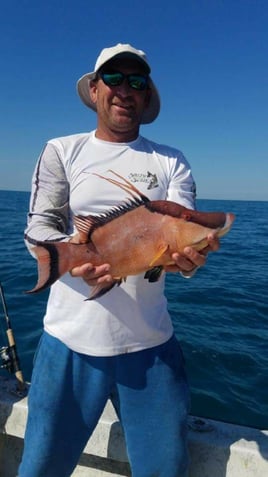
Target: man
{"type": "Point", "coordinates": [119, 346]}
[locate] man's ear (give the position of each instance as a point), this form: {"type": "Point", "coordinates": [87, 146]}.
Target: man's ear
{"type": "Point", "coordinates": [93, 90]}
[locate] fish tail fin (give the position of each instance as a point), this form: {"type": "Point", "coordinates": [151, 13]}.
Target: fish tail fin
{"type": "Point", "coordinates": [50, 265]}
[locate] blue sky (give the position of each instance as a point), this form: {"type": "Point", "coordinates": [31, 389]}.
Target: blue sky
{"type": "Point", "coordinates": [209, 60]}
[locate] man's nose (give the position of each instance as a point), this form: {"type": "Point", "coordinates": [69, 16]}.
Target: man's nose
{"type": "Point", "coordinates": [124, 89]}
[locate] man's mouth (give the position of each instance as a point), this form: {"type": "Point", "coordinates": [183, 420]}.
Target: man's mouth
{"type": "Point", "coordinates": [126, 107]}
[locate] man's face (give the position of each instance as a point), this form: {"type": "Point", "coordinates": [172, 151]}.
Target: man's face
{"type": "Point", "coordinates": [119, 108]}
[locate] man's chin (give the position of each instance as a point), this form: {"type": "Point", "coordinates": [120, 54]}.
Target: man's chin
{"type": "Point", "coordinates": [125, 122]}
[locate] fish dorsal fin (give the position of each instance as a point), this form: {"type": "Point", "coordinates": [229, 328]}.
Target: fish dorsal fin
{"type": "Point", "coordinates": [126, 186]}
{"type": "Point", "coordinates": [86, 225]}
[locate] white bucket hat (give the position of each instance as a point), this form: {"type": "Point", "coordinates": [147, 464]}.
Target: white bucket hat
{"type": "Point", "coordinates": [121, 51]}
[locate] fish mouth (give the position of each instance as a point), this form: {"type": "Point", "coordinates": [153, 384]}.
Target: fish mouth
{"type": "Point", "coordinates": [218, 232]}
{"type": "Point", "coordinates": [228, 223]}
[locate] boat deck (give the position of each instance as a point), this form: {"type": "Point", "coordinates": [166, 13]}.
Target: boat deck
{"type": "Point", "coordinates": [217, 449]}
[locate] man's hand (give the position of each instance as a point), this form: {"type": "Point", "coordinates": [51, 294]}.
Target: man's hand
{"type": "Point", "coordinates": [92, 275]}
{"type": "Point", "coordinates": [190, 260]}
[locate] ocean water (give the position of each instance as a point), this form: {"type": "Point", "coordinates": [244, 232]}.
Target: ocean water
{"type": "Point", "coordinates": [220, 316]}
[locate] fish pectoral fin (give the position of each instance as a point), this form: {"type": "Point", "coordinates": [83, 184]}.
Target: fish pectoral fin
{"type": "Point", "coordinates": [162, 249]}
{"type": "Point", "coordinates": [154, 274]}
{"type": "Point", "coordinates": [100, 290]}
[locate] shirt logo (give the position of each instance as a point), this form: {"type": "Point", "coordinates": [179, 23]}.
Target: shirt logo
{"type": "Point", "coordinates": [149, 178]}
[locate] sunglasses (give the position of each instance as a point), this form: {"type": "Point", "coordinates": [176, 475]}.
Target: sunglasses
{"type": "Point", "coordinates": [135, 81]}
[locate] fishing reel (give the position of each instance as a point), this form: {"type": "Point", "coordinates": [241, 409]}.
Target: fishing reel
{"type": "Point", "coordinates": [9, 359]}
{"type": "Point", "coordinates": [6, 360]}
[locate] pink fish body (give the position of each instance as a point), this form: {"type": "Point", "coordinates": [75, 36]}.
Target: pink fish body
{"type": "Point", "coordinates": [137, 237]}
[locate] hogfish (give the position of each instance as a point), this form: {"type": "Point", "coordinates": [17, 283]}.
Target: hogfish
{"type": "Point", "coordinates": [137, 236]}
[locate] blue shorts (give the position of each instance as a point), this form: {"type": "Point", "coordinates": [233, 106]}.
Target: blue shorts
{"type": "Point", "coordinates": [69, 391]}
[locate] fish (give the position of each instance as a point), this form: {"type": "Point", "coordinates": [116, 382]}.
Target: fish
{"type": "Point", "coordinates": [137, 236]}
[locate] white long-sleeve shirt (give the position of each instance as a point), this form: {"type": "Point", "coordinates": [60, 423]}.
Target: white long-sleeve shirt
{"type": "Point", "coordinates": [134, 315]}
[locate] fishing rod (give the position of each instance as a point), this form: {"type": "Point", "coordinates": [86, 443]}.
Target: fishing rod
{"type": "Point", "coordinates": [8, 354]}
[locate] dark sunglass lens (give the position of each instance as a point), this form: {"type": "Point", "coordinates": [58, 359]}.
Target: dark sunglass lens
{"type": "Point", "coordinates": [112, 79]}
{"type": "Point", "coordinates": [138, 82]}
{"type": "Point", "coordinates": [116, 78]}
